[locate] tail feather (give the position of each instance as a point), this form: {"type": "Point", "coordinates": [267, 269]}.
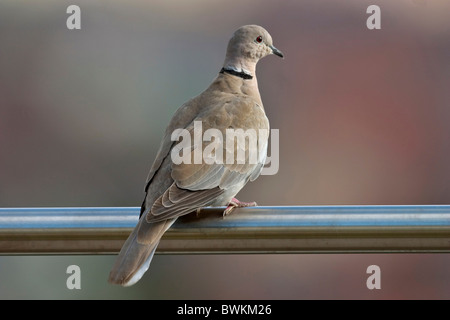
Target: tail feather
{"type": "Point", "coordinates": [135, 256]}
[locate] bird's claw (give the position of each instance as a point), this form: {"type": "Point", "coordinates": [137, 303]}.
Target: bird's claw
{"type": "Point", "coordinates": [235, 203]}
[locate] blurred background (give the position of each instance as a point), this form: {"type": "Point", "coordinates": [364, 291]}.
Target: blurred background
{"type": "Point", "coordinates": [363, 117]}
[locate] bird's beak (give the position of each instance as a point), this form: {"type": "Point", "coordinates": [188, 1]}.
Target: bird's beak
{"type": "Point", "coordinates": [277, 52]}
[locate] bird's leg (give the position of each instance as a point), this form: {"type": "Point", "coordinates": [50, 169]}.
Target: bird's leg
{"type": "Point", "coordinates": [235, 203]}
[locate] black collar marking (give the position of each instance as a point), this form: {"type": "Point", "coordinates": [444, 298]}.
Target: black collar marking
{"type": "Point", "coordinates": [241, 74]}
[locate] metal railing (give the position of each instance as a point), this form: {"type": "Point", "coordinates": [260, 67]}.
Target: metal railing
{"type": "Point", "coordinates": [292, 229]}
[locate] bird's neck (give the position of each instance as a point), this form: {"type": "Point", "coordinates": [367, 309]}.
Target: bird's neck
{"type": "Point", "coordinates": [242, 77]}
{"type": "Point", "coordinates": [242, 66]}
{"type": "Point", "coordinates": [238, 73]}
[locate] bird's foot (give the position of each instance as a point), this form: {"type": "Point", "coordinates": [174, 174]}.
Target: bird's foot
{"type": "Point", "coordinates": [235, 203]}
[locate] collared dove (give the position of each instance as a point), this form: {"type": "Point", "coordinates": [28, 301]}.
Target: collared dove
{"type": "Point", "coordinates": [173, 190]}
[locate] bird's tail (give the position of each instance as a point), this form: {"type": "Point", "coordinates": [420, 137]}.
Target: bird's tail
{"type": "Point", "coordinates": [136, 253]}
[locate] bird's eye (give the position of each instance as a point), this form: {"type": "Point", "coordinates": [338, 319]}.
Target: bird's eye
{"type": "Point", "coordinates": [258, 39]}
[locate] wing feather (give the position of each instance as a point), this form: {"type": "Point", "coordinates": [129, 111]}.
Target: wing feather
{"type": "Point", "coordinates": [198, 185]}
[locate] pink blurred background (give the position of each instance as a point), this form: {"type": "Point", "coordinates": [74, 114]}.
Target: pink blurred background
{"type": "Point", "coordinates": [363, 117]}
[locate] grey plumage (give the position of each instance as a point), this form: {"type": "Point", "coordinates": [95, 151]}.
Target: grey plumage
{"type": "Point", "coordinates": [173, 190]}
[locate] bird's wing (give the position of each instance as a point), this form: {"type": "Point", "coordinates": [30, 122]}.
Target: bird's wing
{"type": "Point", "coordinates": [198, 184]}
{"type": "Point", "coordinates": [181, 119]}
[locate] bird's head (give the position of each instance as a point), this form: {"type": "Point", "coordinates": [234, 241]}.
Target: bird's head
{"type": "Point", "coordinates": [251, 42]}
